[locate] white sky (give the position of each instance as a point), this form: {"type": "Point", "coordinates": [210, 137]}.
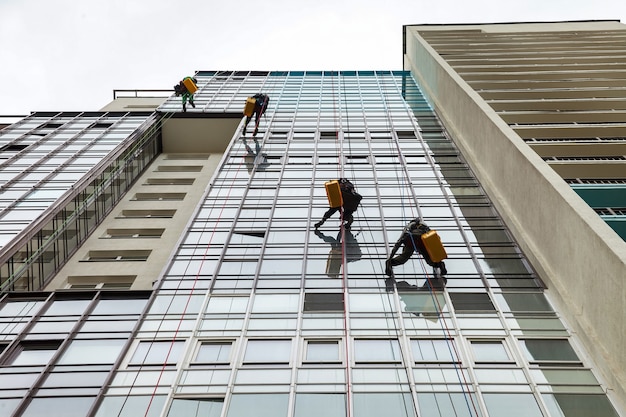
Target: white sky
{"type": "Point", "coordinates": [67, 55]}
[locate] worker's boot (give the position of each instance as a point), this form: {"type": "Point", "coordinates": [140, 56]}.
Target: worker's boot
{"type": "Point", "coordinates": [388, 269]}
{"type": "Point", "coordinates": [184, 107]}
{"type": "Point", "coordinates": [192, 104]}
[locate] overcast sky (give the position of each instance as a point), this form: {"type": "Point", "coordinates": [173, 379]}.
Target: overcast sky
{"type": "Point", "coordinates": [70, 55]}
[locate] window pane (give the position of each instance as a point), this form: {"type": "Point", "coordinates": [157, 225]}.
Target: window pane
{"type": "Point", "coordinates": [126, 306]}
{"type": "Point", "coordinates": [548, 350]}
{"type": "Point", "coordinates": [67, 308]}
{"type": "Point", "coordinates": [59, 407]}
{"type": "Point", "coordinates": [432, 350]}
{"type": "Point", "coordinates": [227, 305]}
{"type": "Point", "coordinates": [523, 302]}
{"type": "Point", "coordinates": [275, 351]}
{"type": "Point", "coordinates": [157, 353]}
{"type": "Point", "coordinates": [258, 405]}
{"type": "Point", "coordinates": [131, 406]}
{"type": "Point", "coordinates": [579, 405]}
{"type": "Point", "coordinates": [7, 406]}
{"type": "Point", "coordinates": [323, 302]}
{"type": "Point", "coordinates": [275, 303]}
{"type": "Point", "coordinates": [205, 407]}
{"type": "Point", "coordinates": [471, 302]}
{"type": "Point", "coordinates": [429, 304]}
{"type": "Point", "coordinates": [447, 404]}
{"type": "Point", "coordinates": [395, 404]}
{"type": "Point", "coordinates": [36, 353]}
{"type": "Point", "coordinates": [512, 405]}
{"type": "Point", "coordinates": [92, 352]}
{"type": "Point", "coordinates": [316, 405]}
{"type": "Point", "coordinates": [489, 351]}
{"type": "Point", "coordinates": [211, 352]}
{"type": "Point", "coordinates": [322, 351]}
{"type": "Point", "coordinates": [384, 350]}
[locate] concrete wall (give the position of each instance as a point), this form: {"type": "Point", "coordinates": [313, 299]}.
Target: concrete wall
{"type": "Point", "coordinates": [579, 257]}
{"type": "Point", "coordinates": [144, 273]}
{"type": "Point", "coordinates": [204, 135]}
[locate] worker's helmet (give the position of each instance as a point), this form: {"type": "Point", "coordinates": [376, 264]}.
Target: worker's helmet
{"type": "Point", "coordinates": [415, 223]}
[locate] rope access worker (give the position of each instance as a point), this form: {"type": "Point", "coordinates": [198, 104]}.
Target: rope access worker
{"type": "Point", "coordinates": [351, 200]}
{"type": "Point", "coordinates": [181, 89]}
{"type": "Point", "coordinates": [412, 240]}
{"type": "Point", "coordinates": [260, 106]}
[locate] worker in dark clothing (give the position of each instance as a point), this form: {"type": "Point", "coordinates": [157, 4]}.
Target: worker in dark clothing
{"type": "Point", "coordinates": [181, 90]}
{"type": "Point", "coordinates": [260, 106]}
{"type": "Point", "coordinates": [411, 239]}
{"type": "Point", "coordinates": [351, 200]}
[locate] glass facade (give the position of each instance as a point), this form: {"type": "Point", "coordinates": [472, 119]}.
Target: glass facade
{"type": "Point", "coordinates": [259, 314]}
{"type": "Point", "coordinates": [61, 174]}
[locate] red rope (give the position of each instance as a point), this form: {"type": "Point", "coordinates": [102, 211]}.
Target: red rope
{"type": "Point", "coordinates": [204, 257]}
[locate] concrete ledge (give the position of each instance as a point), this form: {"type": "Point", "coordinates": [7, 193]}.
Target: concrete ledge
{"type": "Point", "coordinates": [579, 257]}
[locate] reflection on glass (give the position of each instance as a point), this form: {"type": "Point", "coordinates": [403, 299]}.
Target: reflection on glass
{"type": "Point", "coordinates": [426, 301]}
{"type": "Point", "coordinates": [335, 256]}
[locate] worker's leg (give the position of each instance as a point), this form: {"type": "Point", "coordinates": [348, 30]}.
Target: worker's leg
{"type": "Point", "coordinates": [439, 268]}
{"type": "Point", "coordinates": [191, 101]}
{"type": "Point", "coordinates": [407, 251]}
{"type": "Point", "coordinates": [257, 119]}
{"type": "Point", "coordinates": [326, 216]}
{"type": "Point", "coordinates": [348, 218]}
{"type": "Point", "coordinates": [184, 102]}
{"type": "Point", "coordinates": [245, 125]}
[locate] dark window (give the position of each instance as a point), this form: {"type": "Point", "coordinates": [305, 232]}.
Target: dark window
{"type": "Point", "coordinates": [470, 302]}
{"type": "Point", "coordinates": [323, 302]}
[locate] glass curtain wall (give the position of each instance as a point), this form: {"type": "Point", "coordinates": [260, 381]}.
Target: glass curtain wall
{"type": "Point", "coordinates": [62, 174]}
{"type": "Point", "coordinates": [260, 314]}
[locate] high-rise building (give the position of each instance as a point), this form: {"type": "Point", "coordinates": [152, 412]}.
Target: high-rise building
{"type": "Point", "coordinates": [160, 263]}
